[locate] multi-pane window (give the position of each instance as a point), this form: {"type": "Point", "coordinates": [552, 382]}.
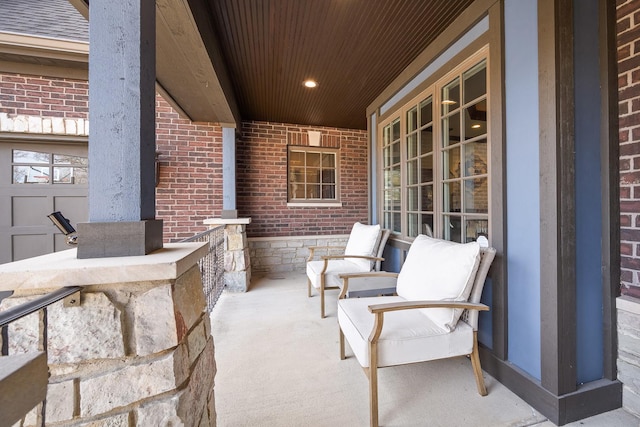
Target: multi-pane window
{"type": "Point", "coordinates": [435, 152]}
{"type": "Point", "coordinates": [313, 174]}
{"type": "Point", "coordinates": [33, 167]}
{"type": "Point", "coordinates": [391, 179]}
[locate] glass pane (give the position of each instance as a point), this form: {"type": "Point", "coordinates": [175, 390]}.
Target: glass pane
{"type": "Point", "coordinates": [386, 154]}
{"type": "Point", "coordinates": [396, 130]}
{"type": "Point", "coordinates": [296, 175]}
{"type": "Point", "coordinates": [30, 174]}
{"type": "Point", "coordinates": [426, 140]}
{"type": "Point", "coordinates": [475, 158]}
{"type": "Point", "coordinates": [328, 160]}
{"type": "Point", "coordinates": [427, 225]}
{"type": "Point", "coordinates": [395, 197]}
{"type": "Point", "coordinates": [476, 196]}
{"type": "Point", "coordinates": [451, 130]}
{"type": "Point", "coordinates": [452, 228]}
{"type": "Point", "coordinates": [296, 158]}
{"type": "Point", "coordinates": [68, 175]}
{"type": "Point", "coordinates": [412, 223]}
{"type": "Point", "coordinates": [63, 159]}
{"type": "Point", "coordinates": [313, 191]}
{"type": "Point", "coordinates": [412, 119]}
{"type": "Point", "coordinates": [412, 198]}
{"type": "Point", "coordinates": [427, 198]}
{"type": "Point", "coordinates": [412, 146]}
{"type": "Point", "coordinates": [388, 200]}
{"type": "Point", "coordinates": [451, 96]}
{"type": "Point", "coordinates": [313, 159]}
{"type": "Point", "coordinates": [328, 176]}
{"type": "Point", "coordinates": [426, 112]}
{"type": "Point", "coordinates": [395, 153]}
{"type": "Point", "coordinates": [451, 196]}
{"type": "Point", "coordinates": [20, 156]}
{"type": "Point", "coordinates": [387, 220]}
{"type": "Point", "coordinates": [475, 120]}
{"type": "Point", "coordinates": [451, 163]}
{"type": "Point", "coordinates": [412, 172]}
{"type": "Point", "coordinates": [475, 82]}
{"type": "Point", "coordinates": [328, 191]}
{"type": "Point", "coordinates": [475, 228]}
{"type": "Point", "coordinates": [396, 222]}
{"type": "Point", "coordinates": [426, 169]}
{"type": "Point", "coordinates": [386, 135]}
{"type": "Point", "coordinates": [297, 191]}
{"type": "Point", "coordinates": [388, 179]}
{"type": "Point", "coordinates": [313, 176]}
{"type": "Point", "coordinates": [395, 176]}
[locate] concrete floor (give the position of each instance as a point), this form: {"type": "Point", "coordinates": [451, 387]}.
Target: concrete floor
{"type": "Point", "coordinates": [278, 365]}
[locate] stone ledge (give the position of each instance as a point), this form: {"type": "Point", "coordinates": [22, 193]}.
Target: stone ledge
{"type": "Point", "coordinates": [627, 303]}
{"type": "Point", "coordinates": [53, 271]}
{"type": "Point", "coordinates": [227, 221]}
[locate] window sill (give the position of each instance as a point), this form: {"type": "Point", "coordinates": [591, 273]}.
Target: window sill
{"type": "Point", "coordinates": [314, 205]}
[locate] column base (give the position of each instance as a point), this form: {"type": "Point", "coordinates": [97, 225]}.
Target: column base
{"type": "Point", "coordinates": [113, 239]}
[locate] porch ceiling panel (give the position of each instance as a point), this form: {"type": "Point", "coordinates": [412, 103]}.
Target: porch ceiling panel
{"type": "Point", "coordinates": [352, 48]}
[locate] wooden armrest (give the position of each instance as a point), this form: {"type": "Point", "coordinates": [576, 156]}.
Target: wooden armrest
{"type": "Point", "coordinates": [313, 248]}
{"type": "Point", "coordinates": [379, 309]}
{"type": "Point", "coordinates": [409, 305]}
{"type": "Point", "coordinates": [346, 276]}
{"type": "Point", "coordinates": [370, 258]}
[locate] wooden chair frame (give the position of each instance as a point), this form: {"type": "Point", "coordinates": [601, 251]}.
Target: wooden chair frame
{"type": "Point", "coordinates": [382, 241]}
{"type": "Point", "coordinates": [472, 309]}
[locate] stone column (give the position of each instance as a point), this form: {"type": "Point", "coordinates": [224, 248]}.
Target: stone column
{"type": "Point", "coordinates": [137, 349]}
{"type": "Point", "coordinates": [237, 262]}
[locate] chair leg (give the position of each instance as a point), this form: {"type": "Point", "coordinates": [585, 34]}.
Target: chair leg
{"type": "Point", "coordinates": [477, 370]}
{"type": "Point", "coordinates": [373, 384]}
{"type": "Point", "coordinates": [308, 287]}
{"type": "Point", "coordinates": [342, 356]}
{"type": "Point", "coordinates": [321, 290]}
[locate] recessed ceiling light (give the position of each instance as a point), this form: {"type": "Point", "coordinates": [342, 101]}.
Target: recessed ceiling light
{"type": "Point", "coordinates": [476, 126]}
{"type": "Point", "coordinates": [310, 83]}
{"type": "Point", "coordinates": [448, 102]}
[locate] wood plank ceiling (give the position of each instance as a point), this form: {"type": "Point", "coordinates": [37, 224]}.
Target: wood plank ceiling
{"type": "Point", "coordinates": [352, 48]}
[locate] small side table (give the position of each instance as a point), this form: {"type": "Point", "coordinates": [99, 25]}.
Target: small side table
{"type": "Point", "coordinates": [371, 287]}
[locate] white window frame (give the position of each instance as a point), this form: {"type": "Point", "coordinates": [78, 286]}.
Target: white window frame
{"type": "Point", "coordinates": [310, 202]}
{"type": "Point", "coordinates": [435, 91]}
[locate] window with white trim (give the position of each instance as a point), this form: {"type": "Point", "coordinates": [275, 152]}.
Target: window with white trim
{"type": "Point", "coordinates": [435, 151]}
{"type": "Point", "coordinates": [313, 174]}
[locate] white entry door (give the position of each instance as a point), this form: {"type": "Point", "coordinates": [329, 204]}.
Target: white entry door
{"type": "Point", "coordinates": [36, 180]}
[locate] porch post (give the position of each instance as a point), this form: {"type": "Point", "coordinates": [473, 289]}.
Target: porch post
{"type": "Point", "coordinates": [229, 210]}
{"type": "Point", "coordinates": [122, 138]}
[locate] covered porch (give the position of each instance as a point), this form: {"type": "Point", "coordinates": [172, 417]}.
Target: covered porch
{"type": "Point", "coordinates": [278, 365]}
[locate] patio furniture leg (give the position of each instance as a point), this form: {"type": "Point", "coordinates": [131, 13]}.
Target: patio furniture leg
{"type": "Point", "coordinates": [309, 287]}
{"type": "Point", "coordinates": [342, 356]}
{"type": "Point", "coordinates": [322, 297]}
{"type": "Point", "coordinates": [477, 370]}
{"type": "Point", "coordinates": [373, 384]}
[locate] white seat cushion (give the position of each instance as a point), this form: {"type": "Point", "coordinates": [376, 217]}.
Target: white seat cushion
{"type": "Point", "coordinates": [439, 270]}
{"type": "Point", "coordinates": [335, 267]}
{"type": "Point", "coordinates": [408, 336]}
{"type": "Point", "coordinates": [363, 241]}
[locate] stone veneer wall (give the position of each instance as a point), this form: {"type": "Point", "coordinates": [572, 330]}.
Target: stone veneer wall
{"type": "Point", "coordinates": [629, 352]}
{"type": "Point", "coordinates": [287, 254]}
{"type": "Point", "coordinates": [132, 354]}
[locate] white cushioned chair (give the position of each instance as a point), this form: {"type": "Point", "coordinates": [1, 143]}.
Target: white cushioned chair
{"type": "Point", "coordinates": [433, 316]}
{"type": "Point", "coordinates": [363, 253]}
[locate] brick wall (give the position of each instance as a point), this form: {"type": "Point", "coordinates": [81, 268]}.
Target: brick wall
{"type": "Point", "coordinates": [190, 185]}
{"type": "Point", "coordinates": [628, 12]}
{"type": "Point", "coordinates": [262, 182]}
{"type": "Point", "coordinates": [43, 96]}
{"type": "Point", "coordinates": [190, 180]}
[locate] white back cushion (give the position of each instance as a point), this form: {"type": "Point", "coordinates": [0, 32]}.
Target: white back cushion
{"type": "Point", "coordinates": [439, 270]}
{"type": "Point", "coordinates": [362, 241]}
